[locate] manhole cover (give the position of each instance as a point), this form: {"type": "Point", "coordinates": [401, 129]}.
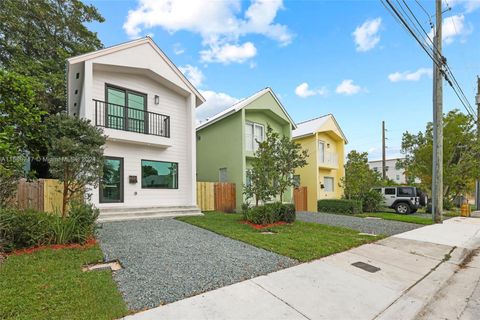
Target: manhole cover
{"type": "Point", "coordinates": [267, 232]}
{"type": "Point", "coordinates": [365, 266]}
{"type": "Point", "coordinates": [112, 265]}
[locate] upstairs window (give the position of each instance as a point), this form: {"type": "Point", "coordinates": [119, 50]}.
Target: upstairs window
{"type": "Point", "coordinates": [253, 132]}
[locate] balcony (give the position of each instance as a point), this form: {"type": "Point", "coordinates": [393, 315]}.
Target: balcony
{"type": "Point", "coordinates": [125, 124]}
{"type": "Point", "coordinates": [328, 160]}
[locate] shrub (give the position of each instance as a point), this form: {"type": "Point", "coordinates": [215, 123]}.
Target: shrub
{"type": "Point", "coordinates": [372, 201]}
{"type": "Point", "coordinates": [26, 228]}
{"type": "Point", "coordinates": [342, 206]}
{"type": "Point", "coordinates": [270, 213]}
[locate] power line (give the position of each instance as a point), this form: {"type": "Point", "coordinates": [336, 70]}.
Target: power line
{"type": "Point", "coordinates": [432, 51]}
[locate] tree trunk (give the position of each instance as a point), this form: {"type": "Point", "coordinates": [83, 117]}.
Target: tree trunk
{"type": "Point", "coordinates": [65, 198]}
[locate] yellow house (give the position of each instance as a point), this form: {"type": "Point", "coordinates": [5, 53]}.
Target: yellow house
{"type": "Point", "coordinates": [325, 142]}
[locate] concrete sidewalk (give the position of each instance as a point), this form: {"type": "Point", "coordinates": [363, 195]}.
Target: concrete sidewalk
{"type": "Point", "coordinates": [394, 278]}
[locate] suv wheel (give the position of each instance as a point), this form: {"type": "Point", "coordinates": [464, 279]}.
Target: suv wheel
{"type": "Point", "coordinates": [402, 208]}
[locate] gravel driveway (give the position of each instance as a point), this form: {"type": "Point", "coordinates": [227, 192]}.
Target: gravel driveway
{"type": "Point", "coordinates": [367, 225]}
{"type": "Point", "coordinates": [165, 260]}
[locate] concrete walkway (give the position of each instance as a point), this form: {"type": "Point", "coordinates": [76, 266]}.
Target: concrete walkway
{"type": "Point", "coordinates": [394, 278]}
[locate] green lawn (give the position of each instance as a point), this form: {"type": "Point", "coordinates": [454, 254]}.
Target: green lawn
{"type": "Point", "coordinates": [301, 240]}
{"type": "Point", "coordinates": [397, 217]}
{"type": "Point", "coordinates": [50, 284]}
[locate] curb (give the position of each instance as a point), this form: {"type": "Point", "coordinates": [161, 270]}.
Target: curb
{"type": "Point", "coordinates": [416, 298]}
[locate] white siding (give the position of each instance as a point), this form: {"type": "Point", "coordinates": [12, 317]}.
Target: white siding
{"type": "Point", "coordinates": [171, 104]}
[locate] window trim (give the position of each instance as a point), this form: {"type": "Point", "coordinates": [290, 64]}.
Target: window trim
{"type": "Point", "coordinates": [254, 124]}
{"type": "Point", "coordinates": [122, 182]}
{"type": "Point", "coordinates": [156, 188]}
{"type": "Point", "coordinates": [324, 151]}
{"type": "Point", "coordinates": [333, 183]}
{"type": "Point", "coordinates": [220, 174]}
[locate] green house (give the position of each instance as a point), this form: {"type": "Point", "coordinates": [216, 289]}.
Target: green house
{"type": "Point", "coordinates": [226, 142]}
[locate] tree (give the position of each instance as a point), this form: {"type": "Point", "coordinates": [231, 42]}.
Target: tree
{"type": "Point", "coordinates": [273, 167]}
{"type": "Point", "coordinates": [263, 172]}
{"type": "Point", "coordinates": [36, 38]}
{"type": "Point", "coordinates": [289, 157]}
{"type": "Point", "coordinates": [20, 129]}
{"type": "Point", "coordinates": [461, 149]}
{"type": "Point", "coordinates": [75, 154]}
{"type": "Point", "coordinates": [359, 178]}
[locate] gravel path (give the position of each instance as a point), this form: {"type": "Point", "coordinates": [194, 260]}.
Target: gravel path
{"type": "Point", "coordinates": [367, 225]}
{"type": "Point", "coordinates": [165, 260]}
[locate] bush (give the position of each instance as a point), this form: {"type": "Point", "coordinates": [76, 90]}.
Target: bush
{"type": "Point", "coordinates": [342, 206]}
{"type": "Point", "coordinates": [270, 213]}
{"type": "Point", "coordinates": [372, 201]}
{"type": "Point", "coordinates": [27, 228]}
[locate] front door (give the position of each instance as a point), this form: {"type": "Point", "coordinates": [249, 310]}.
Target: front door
{"type": "Point", "coordinates": [111, 185]}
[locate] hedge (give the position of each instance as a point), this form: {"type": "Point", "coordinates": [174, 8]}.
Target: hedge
{"type": "Point", "coordinates": [342, 206]}
{"type": "Point", "coordinates": [270, 213]}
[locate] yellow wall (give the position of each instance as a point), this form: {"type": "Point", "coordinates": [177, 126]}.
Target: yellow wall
{"type": "Point", "coordinates": [308, 176]}
{"type": "Point", "coordinates": [312, 175]}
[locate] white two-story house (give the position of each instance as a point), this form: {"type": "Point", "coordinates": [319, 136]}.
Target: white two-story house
{"type": "Point", "coordinates": [146, 107]}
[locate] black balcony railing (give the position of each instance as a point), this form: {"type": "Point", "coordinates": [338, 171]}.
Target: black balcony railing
{"type": "Point", "coordinates": [115, 116]}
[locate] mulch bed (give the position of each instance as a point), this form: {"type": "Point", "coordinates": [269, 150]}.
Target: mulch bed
{"type": "Point", "coordinates": [263, 226]}
{"type": "Point", "coordinates": [89, 243]}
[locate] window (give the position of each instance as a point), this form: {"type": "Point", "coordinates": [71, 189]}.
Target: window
{"type": "Point", "coordinates": [296, 181]}
{"type": "Point", "coordinates": [406, 192]}
{"type": "Point", "coordinates": [386, 168]}
{"type": "Point", "coordinates": [390, 191]}
{"type": "Point", "coordinates": [321, 151]}
{"type": "Point", "coordinates": [328, 182]}
{"type": "Point", "coordinates": [375, 169]}
{"type": "Point", "coordinates": [248, 177]}
{"type": "Point", "coordinates": [135, 104]}
{"type": "Point", "coordinates": [159, 175]}
{"type": "Point", "coordinates": [222, 175]}
{"type": "Point", "coordinates": [253, 132]}
{"type": "Point", "coordinates": [398, 177]}
{"type": "Point", "coordinates": [111, 184]}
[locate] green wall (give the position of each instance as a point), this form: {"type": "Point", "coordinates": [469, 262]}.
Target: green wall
{"type": "Point", "coordinates": [221, 145]}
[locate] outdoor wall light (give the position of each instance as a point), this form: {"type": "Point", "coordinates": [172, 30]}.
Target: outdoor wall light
{"type": "Point", "coordinates": [157, 99]}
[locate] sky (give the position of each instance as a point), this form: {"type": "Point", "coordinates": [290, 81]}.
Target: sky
{"type": "Point", "coordinates": [347, 58]}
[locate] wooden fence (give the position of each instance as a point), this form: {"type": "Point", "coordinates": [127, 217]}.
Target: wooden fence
{"type": "Point", "coordinates": [220, 196]}
{"type": "Point", "coordinates": [300, 198]}
{"type": "Point", "coordinates": [42, 195]}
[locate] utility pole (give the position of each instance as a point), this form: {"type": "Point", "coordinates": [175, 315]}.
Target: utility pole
{"type": "Point", "coordinates": [477, 184]}
{"type": "Point", "coordinates": [384, 153]}
{"type": "Point", "coordinates": [437, 172]}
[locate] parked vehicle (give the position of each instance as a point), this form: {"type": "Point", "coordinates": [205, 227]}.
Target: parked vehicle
{"type": "Point", "coordinates": [403, 199]}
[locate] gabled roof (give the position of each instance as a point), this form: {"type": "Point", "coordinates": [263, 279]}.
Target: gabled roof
{"type": "Point", "coordinates": [242, 104]}
{"type": "Point", "coordinates": [130, 44]}
{"type": "Point", "coordinates": [312, 126]}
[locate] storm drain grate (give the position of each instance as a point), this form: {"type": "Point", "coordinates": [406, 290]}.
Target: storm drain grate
{"type": "Point", "coordinates": [365, 266]}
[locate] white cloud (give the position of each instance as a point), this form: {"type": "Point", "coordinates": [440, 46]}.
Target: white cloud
{"type": "Point", "coordinates": [228, 53]}
{"type": "Point", "coordinates": [215, 103]}
{"type": "Point", "coordinates": [193, 74]}
{"type": "Point", "coordinates": [178, 49]}
{"type": "Point", "coordinates": [366, 36]}
{"type": "Point", "coordinates": [303, 91]}
{"type": "Point", "coordinates": [469, 5]}
{"type": "Point", "coordinates": [347, 87]}
{"type": "Point", "coordinates": [221, 24]}
{"type": "Point", "coordinates": [410, 76]}
{"type": "Point", "coordinates": [453, 27]}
